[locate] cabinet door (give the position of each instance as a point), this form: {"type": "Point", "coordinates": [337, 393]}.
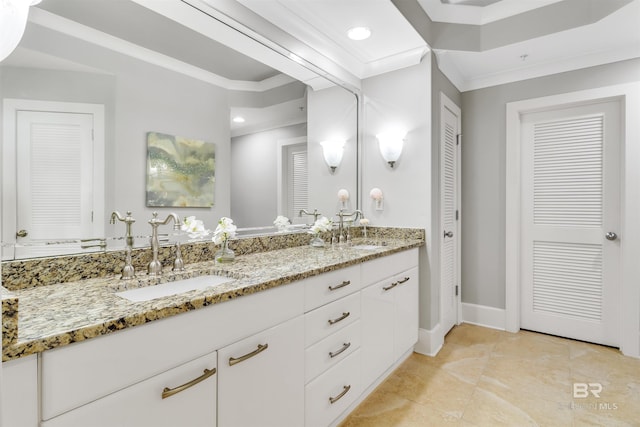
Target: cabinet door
{"type": "Point", "coordinates": [193, 402]}
{"type": "Point", "coordinates": [406, 317]}
{"type": "Point", "coordinates": [261, 379]}
{"type": "Point", "coordinates": [378, 312]}
{"type": "Point", "coordinates": [19, 405]}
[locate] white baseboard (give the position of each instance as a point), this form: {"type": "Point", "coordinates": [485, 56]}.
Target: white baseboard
{"type": "Point", "coordinates": [429, 341]}
{"type": "Point", "coordinates": [483, 315]}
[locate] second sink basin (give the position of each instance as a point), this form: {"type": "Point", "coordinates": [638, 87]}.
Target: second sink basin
{"type": "Point", "coordinates": [148, 293]}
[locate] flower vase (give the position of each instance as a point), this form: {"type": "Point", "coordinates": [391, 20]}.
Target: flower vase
{"type": "Point", "coordinates": [225, 254]}
{"type": "Point", "coordinates": [317, 241]}
{"type": "Point", "coordinates": [364, 231]}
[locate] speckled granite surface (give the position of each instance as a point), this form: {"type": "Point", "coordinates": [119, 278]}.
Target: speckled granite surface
{"type": "Point", "coordinates": [53, 315]}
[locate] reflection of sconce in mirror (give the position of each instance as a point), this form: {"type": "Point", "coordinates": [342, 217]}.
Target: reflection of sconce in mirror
{"type": "Point", "coordinates": [332, 151]}
{"type": "Point", "coordinates": [376, 195]}
{"type": "Point", "coordinates": [343, 196]}
{"type": "Point", "coordinates": [13, 20]}
{"type": "Point", "coordinates": [391, 145]}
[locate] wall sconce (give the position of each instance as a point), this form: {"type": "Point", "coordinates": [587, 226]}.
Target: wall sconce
{"type": "Point", "coordinates": [376, 196]}
{"type": "Point", "coordinates": [13, 20]}
{"type": "Point", "coordinates": [391, 146]}
{"type": "Point", "coordinates": [343, 197]}
{"type": "Point", "coordinates": [332, 151]}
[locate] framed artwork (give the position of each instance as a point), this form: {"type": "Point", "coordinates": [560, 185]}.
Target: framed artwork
{"type": "Point", "coordinates": [180, 171]}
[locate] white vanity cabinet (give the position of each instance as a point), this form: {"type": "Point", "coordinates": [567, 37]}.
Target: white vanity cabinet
{"type": "Point", "coordinates": [19, 405]}
{"type": "Point", "coordinates": [261, 378]}
{"type": "Point", "coordinates": [389, 312]}
{"type": "Point", "coordinates": [182, 396]}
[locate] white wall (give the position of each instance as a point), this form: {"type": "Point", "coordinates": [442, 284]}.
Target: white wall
{"type": "Point", "coordinates": [484, 170]}
{"type": "Point", "coordinates": [403, 99]}
{"type": "Point", "coordinates": [254, 175]}
{"type": "Point", "coordinates": [332, 114]}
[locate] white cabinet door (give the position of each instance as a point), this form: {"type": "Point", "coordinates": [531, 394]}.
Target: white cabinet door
{"type": "Point", "coordinates": [261, 379]}
{"type": "Point", "coordinates": [406, 318]}
{"type": "Point", "coordinates": [189, 400]}
{"type": "Point", "coordinates": [378, 311]}
{"type": "Point", "coordinates": [389, 323]}
{"type": "Point", "coordinates": [19, 405]}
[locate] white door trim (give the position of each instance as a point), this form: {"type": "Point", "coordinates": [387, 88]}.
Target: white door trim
{"type": "Point", "coordinates": [9, 120]}
{"type": "Point", "coordinates": [629, 94]}
{"type": "Point", "coordinates": [281, 145]}
{"type": "Point", "coordinates": [446, 102]}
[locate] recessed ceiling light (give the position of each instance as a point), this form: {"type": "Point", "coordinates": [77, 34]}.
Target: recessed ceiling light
{"type": "Point", "coordinates": [238, 119]}
{"type": "Point", "coordinates": [359, 33]}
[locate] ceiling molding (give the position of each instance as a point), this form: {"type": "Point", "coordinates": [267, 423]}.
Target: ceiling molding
{"type": "Point", "coordinates": [90, 35]}
{"type": "Point", "coordinates": [475, 15]}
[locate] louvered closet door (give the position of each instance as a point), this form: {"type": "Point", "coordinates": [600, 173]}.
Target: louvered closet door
{"type": "Point", "coordinates": [571, 200]}
{"type": "Point", "coordinates": [54, 177]}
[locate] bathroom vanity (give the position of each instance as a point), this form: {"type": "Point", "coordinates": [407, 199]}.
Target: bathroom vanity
{"type": "Point", "coordinates": [297, 336]}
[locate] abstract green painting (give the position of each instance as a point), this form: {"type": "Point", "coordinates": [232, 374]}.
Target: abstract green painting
{"type": "Point", "coordinates": [180, 171]}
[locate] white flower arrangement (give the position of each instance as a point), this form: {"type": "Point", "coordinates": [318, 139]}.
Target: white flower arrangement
{"type": "Point", "coordinates": [343, 195]}
{"type": "Point", "coordinates": [364, 222]}
{"type": "Point", "coordinates": [225, 230]}
{"type": "Point", "coordinates": [194, 227]}
{"type": "Point", "coordinates": [281, 222]}
{"type": "Point", "coordinates": [322, 224]}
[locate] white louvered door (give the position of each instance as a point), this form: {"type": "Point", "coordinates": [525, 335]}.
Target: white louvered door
{"type": "Point", "coordinates": [449, 196]}
{"type": "Point", "coordinates": [570, 201]}
{"type": "Point", "coordinates": [54, 179]}
{"type": "Point", "coordinates": [297, 182]}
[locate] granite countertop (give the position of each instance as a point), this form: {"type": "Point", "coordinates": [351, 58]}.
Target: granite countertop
{"type": "Point", "coordinates": [56, 315]}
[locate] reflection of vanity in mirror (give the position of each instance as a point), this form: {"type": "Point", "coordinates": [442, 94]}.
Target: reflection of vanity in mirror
{"type": "Point", "coordinates": [86, 75]}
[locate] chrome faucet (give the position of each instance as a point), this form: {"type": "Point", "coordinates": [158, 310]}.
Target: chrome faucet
{"type": "Point", "coordinates": [128, 271]}
{"type": "Point", "coordinates": [315, 214]}
{"type": "Point", "coordinates": [353, 216]}
{"type": "Point", "coordinates": [155, 266]}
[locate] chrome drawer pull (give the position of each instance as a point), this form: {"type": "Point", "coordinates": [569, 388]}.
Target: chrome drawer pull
{"type": "Point", "coordinates": [406, 279]}
{"type": "Point", "coordinates": [344, 316]}
{"type": "Point", "coordinates": [168, 392]}
{"type": "Point", "coordinates": [391, 286]}
{"type": "Point", "coordinates": [344, 347]}
{"type": "Point", "coordinates": [333, 400]}
{"type": "Point", "coordinates": [341, 285]}
{"type": "Point", "coordinates": [260, 349]}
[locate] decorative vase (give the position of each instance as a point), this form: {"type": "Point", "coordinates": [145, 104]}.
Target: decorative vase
{"type": "Point", "coordinates": [317, 241]}
{"type": "Point", "coordinates": [225, 254]}
{"type": "Point", "coordinates": [364, 231]}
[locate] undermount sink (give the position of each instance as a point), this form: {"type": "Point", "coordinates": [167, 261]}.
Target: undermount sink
{"type": "Point", "coordinates": [366, 247]}
{"type": "Point", "coordinates": [148, 293]}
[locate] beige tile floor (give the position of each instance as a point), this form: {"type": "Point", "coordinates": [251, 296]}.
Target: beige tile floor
{"type": "Point", "coordinates": [485, 377]}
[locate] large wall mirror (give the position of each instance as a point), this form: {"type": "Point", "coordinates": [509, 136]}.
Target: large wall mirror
{"type": "Point", "coordinates": [90, 79]}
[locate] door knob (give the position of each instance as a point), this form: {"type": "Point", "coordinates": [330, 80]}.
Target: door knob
{"type": "Point", "coordinates": [448, 234]}
{"type": "Point", "coordinates": [611, 235]}
{"type": "Point", "coordinates": [22, 233]}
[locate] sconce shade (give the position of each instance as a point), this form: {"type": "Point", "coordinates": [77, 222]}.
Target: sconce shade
{"type": "Point", "coordinates": [13, 20]}
{"type": "Point", "coordinates": [390, 146]}
{"type": "Point", "coordinates": [332, 151]}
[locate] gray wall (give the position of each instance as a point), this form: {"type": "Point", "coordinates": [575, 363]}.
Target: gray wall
{"type": "Point", "coordinates": [402, 99]}
{"type": "Point", "coordinates": [483, 170]}
{"type": "Point", "coordinates": [254, 175]}
{"type": "Point", "coordinates": [331, 114]}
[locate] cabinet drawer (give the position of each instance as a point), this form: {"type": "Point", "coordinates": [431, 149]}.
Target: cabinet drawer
{"type": "Point", "coordinates": [331, 350]}
{"type": "Point", "coordinates": [388, 266]}
{"type": "Point", "coordinates": [330, 318]}
{"type": "Point", "coordinates": [333, 392]}
{"type": "Point", "coordinates": [327, 287]}
{"type": "Point", "coordinates": [142, 405]}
